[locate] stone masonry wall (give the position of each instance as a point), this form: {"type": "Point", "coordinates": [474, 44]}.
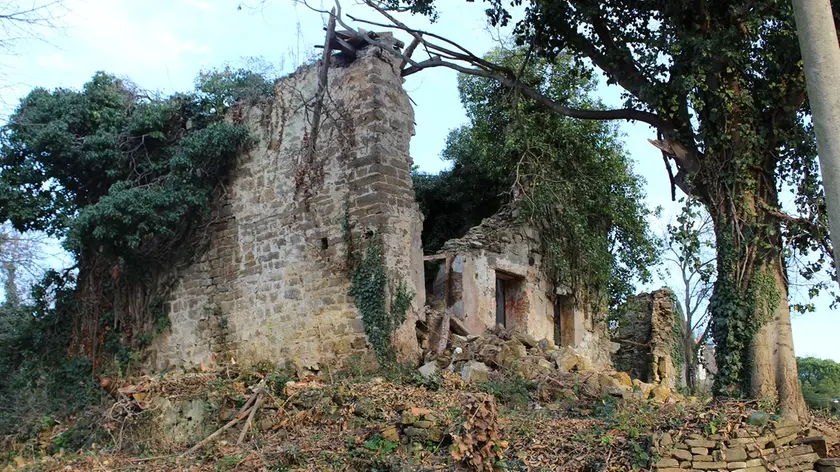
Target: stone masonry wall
{"type": "Point", "coordinates": [646, 336]}
{"type": "Point", "coordinates": [272, 284]}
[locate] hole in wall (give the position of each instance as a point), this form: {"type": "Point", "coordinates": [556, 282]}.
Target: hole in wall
{"type": "Point", "coordinates": [325, 244]}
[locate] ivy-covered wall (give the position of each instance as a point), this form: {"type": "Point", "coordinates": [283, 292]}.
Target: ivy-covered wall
{"type": "Point", "coordinates": [274, 282]}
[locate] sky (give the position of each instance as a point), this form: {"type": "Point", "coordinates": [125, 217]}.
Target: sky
{"type": "Point", "coordinates": [162, 45]}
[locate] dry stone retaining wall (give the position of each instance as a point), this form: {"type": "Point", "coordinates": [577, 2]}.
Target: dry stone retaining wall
{"type": "Point", "coordinates": [778, 446]}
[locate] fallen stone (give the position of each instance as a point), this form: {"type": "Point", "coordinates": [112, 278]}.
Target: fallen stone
{"type": "Point", "coordinates": [617, 391]}
{"type": "Point", "coordinates": [526, 339]}
{"type": "Point", "coordinates": [429, 369]}
{"type": "Point", "coordinates": [474, 371]}
{"type": "Point", "coordinates": [417, 433]}
{"type": "Point", "coordinates": [391, 434]}
{"type": "Point", "coordinates": [759, 418]}
{"type": "Point", "coordinates": [623, 378]}
{"type": "Point", "coordinates": [661, 393]}
{"type": "Point", "coordinates": [817, 443]}
{"type": "Point", "coordinates": [547, 346]}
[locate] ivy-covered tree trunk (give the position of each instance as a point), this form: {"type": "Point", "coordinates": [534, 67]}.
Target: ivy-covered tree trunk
{"type": "Point", "coordinates": [749, 306]}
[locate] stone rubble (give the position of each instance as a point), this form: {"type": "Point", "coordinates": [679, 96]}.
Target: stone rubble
{"type": "Point", "coordinates": [499, 349]}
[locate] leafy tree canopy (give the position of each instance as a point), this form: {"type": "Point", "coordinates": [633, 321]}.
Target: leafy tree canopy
{"type": "Point", "coordinates": [820, 382]}
{"type": "Point", "coordinates": [115, 167]}
{"type": "Point", "coordinates": [571, 178]}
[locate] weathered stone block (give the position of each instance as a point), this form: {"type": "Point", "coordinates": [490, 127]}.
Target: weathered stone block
{"type": "Point", "coordinates": [708, 465]}
{"type": "Point", "coordinates": [681, 454]}
{"type": "Point", "coordinates": [734, 454]}
{"type": "Point", "coordinates": [700, 443]}
{"type": "Point", "coordinates": [668, 462]}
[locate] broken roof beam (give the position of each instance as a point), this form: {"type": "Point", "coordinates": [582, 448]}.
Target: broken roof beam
{"type": "Point", "coordinates": [350, 42]}
{"type": "Point", "coordinates": [434, 257]}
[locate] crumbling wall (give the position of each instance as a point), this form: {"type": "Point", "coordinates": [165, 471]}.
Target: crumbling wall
{"type": "Point", "coordinates": [646, 337]}
{"type": "Point", "coordinates": [502, 245]}
{"type": "Point", "coordinates": [273, 284]}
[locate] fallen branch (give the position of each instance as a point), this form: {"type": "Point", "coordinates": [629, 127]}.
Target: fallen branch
{"type": "Point", "coordinates": [247, 426]}
{"type": "Point", "coordinates": [206, 440]}
{"type": "Point", "coordinates": [255, 398]}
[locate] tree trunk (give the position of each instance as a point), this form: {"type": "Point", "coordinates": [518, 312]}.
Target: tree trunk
{"type": "Point", "coordinates": [749, 306]}
{"type": "Point", "coordinates": [774, 373]}
{"type": "Point", "coordinates": [690, 359]}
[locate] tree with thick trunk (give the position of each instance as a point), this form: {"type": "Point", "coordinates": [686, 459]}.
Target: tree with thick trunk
{"type": "Point", "coordinates": [722, 83]}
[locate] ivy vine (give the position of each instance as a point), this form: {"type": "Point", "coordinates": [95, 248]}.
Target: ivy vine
{"type": "Point", "coordinates": [369, 289]}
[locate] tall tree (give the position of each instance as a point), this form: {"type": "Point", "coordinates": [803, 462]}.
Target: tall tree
{"type": "Point", "coordinates": [689, 251]}
{"type": "Point", "coordinates": [723, 85]}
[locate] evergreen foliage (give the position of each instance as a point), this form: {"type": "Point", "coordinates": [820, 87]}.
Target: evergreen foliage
{"type": "Point", "coordinates": [369, 287]}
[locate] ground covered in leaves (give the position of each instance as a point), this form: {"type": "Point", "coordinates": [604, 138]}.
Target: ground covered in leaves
{"type": "Point", "coordinates": [395, 420]}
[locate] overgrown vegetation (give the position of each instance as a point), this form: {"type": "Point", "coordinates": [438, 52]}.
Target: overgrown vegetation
{"type": "Point", "coordinates": [820, 380]}
{"type": "Point", "coordinates": [570, 178]}
{"type": "Point", "coordinates": [125, 178]}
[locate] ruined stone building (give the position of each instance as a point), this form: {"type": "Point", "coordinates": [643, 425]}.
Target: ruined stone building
{"type": "Point", "coordinates": [272, 283]}
{"type": "Point", "coordinates": [495, 276]}
{"type": "Point", "coordinates": [646, 338]}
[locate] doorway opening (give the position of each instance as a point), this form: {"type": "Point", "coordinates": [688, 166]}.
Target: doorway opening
{"type": "Point", "coordinates": [564, 320]}
{"type": "Point", "coordinates": [510, 298]}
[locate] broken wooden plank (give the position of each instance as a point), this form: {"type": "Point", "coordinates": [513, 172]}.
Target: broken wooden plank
{"type": "Point", "coordinates": [434, 257]}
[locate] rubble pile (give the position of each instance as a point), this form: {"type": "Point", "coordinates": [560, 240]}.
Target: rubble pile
{"type": "Point", "coordinates": [476, 358]}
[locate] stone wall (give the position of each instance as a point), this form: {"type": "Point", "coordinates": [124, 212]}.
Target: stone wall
{"type": "Point", "coordinates": [501, 247]}
{"type": "Point", "coordinates": [645, 335]}
{"type": "Point", "coordinates": [775, 446]}
{"type": "Point", "coordinates": [273, 284]}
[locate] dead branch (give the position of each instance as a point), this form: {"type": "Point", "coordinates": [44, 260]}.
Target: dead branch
{"type": "Point", "coordinates": [250, 419]}
{"type": "Point", "coordinates": [445, 57]}
{"type": "Point", "coordinates": [322, 86]}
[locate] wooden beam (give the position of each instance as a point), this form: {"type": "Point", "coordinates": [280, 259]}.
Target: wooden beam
{"type": "Point", "coordinates": [434, 257]}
